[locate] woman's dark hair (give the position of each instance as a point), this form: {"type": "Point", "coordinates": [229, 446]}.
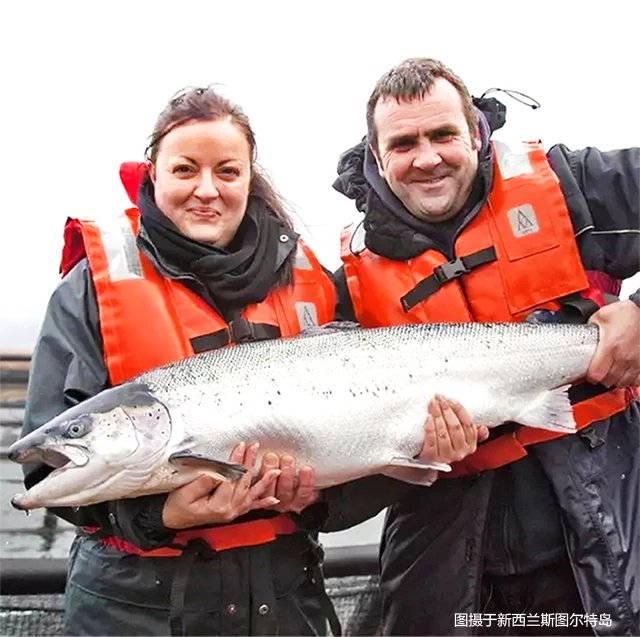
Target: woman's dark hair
{"type": "Point", "coordinates": [205, 104]}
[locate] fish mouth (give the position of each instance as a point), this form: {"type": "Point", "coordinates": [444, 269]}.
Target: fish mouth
{"type": "Point", "coordinates": [67, 457]}
{"type": "Point", "coordinates": [63, 461]}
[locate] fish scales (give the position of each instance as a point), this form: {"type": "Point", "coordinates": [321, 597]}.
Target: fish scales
{"type": "Point", "coordinates": [345, 400]}
{"type": "Point", "coordinates": [299, 395]}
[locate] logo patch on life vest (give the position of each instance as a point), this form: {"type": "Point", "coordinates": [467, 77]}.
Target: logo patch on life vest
{"type": "Point", "coordinates": [307, 315]}
{"type": "Point", "coordinates": [523, 220]}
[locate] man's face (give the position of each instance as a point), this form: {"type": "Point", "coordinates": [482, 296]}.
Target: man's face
{"type": "Point", "coordinates": [426, 153]}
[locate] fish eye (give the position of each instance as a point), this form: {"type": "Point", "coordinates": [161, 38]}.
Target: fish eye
{"type": "Point", "coordinates": [75, 429]}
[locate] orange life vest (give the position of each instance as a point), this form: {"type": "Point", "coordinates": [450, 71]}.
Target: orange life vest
{"type": "Point", "coordinates": [147, 320]}
{"type": "Point", "coordinates": [517, 255]}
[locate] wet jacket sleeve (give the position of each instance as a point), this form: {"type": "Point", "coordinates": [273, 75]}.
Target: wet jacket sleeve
{"type": "Point", "coordinates": [602, 191]}
{"type": "Point", "coordinates": [67, 367]}
{"type": "Point", "coordinates": [355, 502]}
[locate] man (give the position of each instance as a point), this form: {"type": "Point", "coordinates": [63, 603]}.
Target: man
{"type": "Point", "coordinates": [459, 228]}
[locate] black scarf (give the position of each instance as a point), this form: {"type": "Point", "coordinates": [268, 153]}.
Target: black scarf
{"type": "Point", "coordinates": [228, 278]}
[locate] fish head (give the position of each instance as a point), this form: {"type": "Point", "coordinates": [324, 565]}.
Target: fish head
{"type": "Point", "coordinates": [102, 449]}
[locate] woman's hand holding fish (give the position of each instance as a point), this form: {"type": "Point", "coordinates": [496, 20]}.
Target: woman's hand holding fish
{"type": "Point", "coordinates": [616, 362]}
{"type": "Point", "coordinates": [449, 433]}
{"type": "Point", "coordinates": [210, 501]}
{"type": "Point", "coordinates": [294, 488]}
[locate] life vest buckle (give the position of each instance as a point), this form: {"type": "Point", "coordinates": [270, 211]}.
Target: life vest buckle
{"type": "Point", "coordinates": [450, 270]}
{"type": "Point", "coordinates": [241, 331]}
{"type": "Point", "coordinates": [591, 437]}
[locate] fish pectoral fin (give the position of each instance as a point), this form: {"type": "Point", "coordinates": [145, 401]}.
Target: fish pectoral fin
{"type": "Point", "coordinates": [549, 410]}
{"type": "Point", "coordinates": [414, 463]}
{"type": "Point", "coordinates": [210, 466]}
{"type": "Point", "coordinates": [414, 471]}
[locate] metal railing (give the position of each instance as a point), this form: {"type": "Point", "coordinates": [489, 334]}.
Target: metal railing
{"type": "Point", "coordinates": [31, 602]}
{"type": "Point", "coordinates": [31, 576]}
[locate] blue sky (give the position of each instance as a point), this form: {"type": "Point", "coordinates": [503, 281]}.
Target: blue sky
{"type": "Point", "coordinates": [83, 82]}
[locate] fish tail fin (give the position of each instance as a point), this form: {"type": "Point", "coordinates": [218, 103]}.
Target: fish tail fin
{"type": "Point", "coordinates": [549, 410]}
{"type": "Point", "coordinates": [414, 471]}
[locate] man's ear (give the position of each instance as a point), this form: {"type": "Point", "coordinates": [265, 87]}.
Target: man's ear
{"type": "Point", "coordinates": [477, 137]}
{"type": "Point", "coordinates": [374, 152]}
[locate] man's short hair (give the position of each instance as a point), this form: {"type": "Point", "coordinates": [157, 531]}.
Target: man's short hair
{"type": "Point", "coordinates": [414, 78]}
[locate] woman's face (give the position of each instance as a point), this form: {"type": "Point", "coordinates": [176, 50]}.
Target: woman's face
{"type": "Point", "coordinates": [201, 178]}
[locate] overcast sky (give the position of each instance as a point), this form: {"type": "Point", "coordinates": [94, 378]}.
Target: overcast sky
{"type": "Point", "coordinates": [82, 84]}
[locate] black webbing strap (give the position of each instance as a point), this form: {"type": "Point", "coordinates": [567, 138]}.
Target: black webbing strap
{"type": "Point", "coordinates": [582, 307]}
{"type": "Point", "coordinates": [444, 273]}
{"type": "Point", "coordinates": [179, 584]}
{"type": "Point", "coordinates": [238, 331]}
{"type": "Point", "coordinates": [585, 391]}
{"type": "Point", "coordinates": [316, 552]}
{"type": "Point", "coordinates": [326, 603]}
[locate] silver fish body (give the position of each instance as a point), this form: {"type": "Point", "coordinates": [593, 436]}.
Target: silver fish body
{"type": "Point", "coordinates": [350, 402]}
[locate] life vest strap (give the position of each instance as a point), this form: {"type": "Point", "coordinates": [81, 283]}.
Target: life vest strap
{"type": "Point", "coordinates": [585, 391]}
{"type": "Point", "coordinates": [583, 304]}
{"type": "Point", "coordinates": [218, 538]}
{"type": "Point", "coordinates": [444, 273]}
{"type": "Point", "coordinates": [238, 331]}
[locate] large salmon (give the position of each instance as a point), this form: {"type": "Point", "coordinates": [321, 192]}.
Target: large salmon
{"type": "Point", "coordinates": [348, 401]}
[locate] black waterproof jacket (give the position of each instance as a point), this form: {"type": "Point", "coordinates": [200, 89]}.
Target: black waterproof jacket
{"type": "Point", "coordinates": [269, 589]}
{"type": "Point", "coordinates": [435, 538]}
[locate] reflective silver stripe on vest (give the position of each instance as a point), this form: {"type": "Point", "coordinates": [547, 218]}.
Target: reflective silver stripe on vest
{"type": "Point", "coordinates": [512, 161]}
{"type": "Point", "coordinates": [307, 314]}
{"type": "Point", "coordinates": [120, 247]}
{"type": "Point", "coordinates": [301, 261]}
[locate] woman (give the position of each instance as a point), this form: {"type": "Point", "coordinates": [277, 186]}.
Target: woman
{"type": "Point", "coordinates": [207, 258]}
